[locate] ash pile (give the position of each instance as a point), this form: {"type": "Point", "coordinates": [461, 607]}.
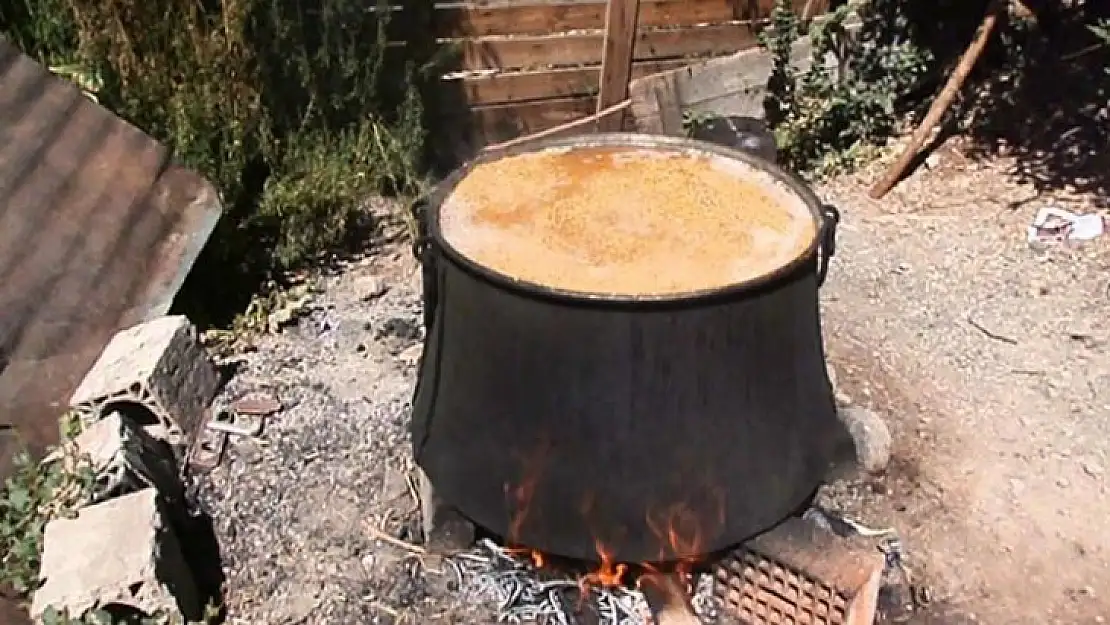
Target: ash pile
{"type": "Point", "coordinates": [525, 593]}
{"type": "Point", "coordinates": [817, 569]}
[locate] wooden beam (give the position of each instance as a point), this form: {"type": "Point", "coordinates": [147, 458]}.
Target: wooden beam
{"type": "Point", "coordinates": [576, 49]}
{"type": "Point", "coordinates": [537, 85]}
{"type": "Point", "coordinates": [616, 59]}
{"type": "Point", "coordinates": [544, 17]}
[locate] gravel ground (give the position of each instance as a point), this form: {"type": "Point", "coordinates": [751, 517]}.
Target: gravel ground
{"type": "Point", "coordinates": [987, 358]}
{"type": "Point", "coordinates": [295, 506]}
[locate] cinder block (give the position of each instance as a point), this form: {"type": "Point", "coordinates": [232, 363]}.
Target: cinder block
{"type": "Point", "coordinates": [802, 574]}
{"type": "Point", "coordinates": [127, 459]}
{"type": "Point", "coordinates": [158, 366]}
{"type": "Point", "coordinates": [120, 552]}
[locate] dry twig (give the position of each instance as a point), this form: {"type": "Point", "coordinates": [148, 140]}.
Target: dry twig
{"type": "Point", "coordinates": [378, 534]}
{"type": "Point", "coordinates": [990, 333]}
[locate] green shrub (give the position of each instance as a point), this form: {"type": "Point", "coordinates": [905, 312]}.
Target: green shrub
{"type": "Point", "coordinates": [827, 118]}
{"type": "Point", "coordinates": [294, 110]}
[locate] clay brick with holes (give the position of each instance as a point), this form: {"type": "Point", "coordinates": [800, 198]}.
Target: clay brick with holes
{"type": "Point", "coordinates": [801, 574]}
{"type": "Point", "coordinates": [156, 371]}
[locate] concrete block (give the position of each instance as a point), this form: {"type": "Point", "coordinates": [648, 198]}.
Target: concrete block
{"type": "Point", "coordinates": [127, 459]}
{"type": "Point", "coordinates": [156, 370]}
{"type": "Point", "coordinates": [118, 553]}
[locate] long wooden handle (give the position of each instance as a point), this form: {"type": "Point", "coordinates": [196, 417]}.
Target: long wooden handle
{"type": "Point", "coordinates": [942, 102]}
{"type": "Point", "coordinates": [571, 125]}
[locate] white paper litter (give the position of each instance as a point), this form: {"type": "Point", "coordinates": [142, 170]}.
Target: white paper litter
{"type": "Point", "coordinates": [1056, 224]}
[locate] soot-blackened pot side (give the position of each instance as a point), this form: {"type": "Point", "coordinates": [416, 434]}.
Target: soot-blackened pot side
{"type": "Point", "coordinates": [652, 428]}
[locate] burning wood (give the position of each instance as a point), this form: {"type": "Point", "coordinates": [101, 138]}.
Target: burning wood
{"type": "Point", "coordinates": [522, 595]}
{"type": "Point", "coordinates": [669, 599]}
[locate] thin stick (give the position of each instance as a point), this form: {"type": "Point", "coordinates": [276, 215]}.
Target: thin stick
{"type": "Point", "coordinates": [942, 102]}
{"type": "Point", "coordinates": [990, 333]}
{"type": "Point", "coordinates": [396, 542]}
{"type": "Point", "coordinates": [571, 125]}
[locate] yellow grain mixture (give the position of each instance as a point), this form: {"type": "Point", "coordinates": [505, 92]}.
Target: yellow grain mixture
{"type": "Point", "coordinates": [625, 221]}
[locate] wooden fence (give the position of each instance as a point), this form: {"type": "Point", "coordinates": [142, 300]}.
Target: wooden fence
{"type": "Point", "coordinates": [522, 66]}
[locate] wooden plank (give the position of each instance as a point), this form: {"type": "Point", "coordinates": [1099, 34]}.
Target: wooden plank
{"type": "Point", "coordinates": [616, 59]}
{"type": "Point", "coordinates": [726, 86]}
{"type": "Point", "coordinates": [502, 122]}
{"type": "Point", "coordinates": [535, 18]}
{"type": "Point", "coordinates": [535, 85]}
{"type": "Point", "coordinates": [586, 49]}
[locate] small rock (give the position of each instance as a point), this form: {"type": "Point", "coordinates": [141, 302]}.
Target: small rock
{"type": "Point", "coordinates": [1093, 469]}
{"type": "Point", "coordinates": [839, 395]}
{"type": "Point", "coordinates": [370, 288]}
{"type": "Point", "coordinates": [118, 552]}
{"type": "Point", "coordinates": [394, 485]}
{"type": "Point", "coordinates": [870, 435]}
{"type": "Point", "coordinates": [1063, 483]}
{"type": "Point", "coordinates": [411, 355]}
{"type": "Point", "coordinates": [400, 327]}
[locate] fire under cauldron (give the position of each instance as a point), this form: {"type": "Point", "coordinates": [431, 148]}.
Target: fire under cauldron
{"type": "Point", "coordinates": [633, 429]}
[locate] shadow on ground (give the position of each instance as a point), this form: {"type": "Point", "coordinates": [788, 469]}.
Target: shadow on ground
{"type": "Point", "coordinates": [1049, 107]}
{"type": "Point", "coordinates": [202, 553]}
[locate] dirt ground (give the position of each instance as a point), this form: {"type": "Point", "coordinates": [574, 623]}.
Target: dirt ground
{"type": "Point", "coordinates": [989, 360]}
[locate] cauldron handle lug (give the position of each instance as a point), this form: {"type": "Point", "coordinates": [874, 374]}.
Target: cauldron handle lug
{"type": "Point", "coordinates": [826, 240]}
{"type": "Point", "coordinates": [418, 211]}
{"type": "Point", "coordinates": [421, 244]}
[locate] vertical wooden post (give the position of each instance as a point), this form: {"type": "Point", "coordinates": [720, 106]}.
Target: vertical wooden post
{"type": "Point", "coordinates": [616, 60]}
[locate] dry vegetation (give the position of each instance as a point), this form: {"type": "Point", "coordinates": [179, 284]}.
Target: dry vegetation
{"type": "Point", "coordinates": [291, 109]}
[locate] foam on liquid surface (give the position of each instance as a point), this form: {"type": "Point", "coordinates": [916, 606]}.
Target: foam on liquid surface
{"type": "Point", "coordinates": [626, 221]}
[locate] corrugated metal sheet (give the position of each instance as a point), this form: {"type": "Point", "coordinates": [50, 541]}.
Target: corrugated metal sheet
{"type": "Point", "coordinates": [98, 229]}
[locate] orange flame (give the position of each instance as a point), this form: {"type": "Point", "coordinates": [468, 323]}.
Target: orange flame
{"type": "Point", "coordinates": [607, 575]}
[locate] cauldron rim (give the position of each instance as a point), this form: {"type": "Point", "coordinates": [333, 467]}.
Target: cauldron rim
{"type": "Point", "coordinates": [792, 182]}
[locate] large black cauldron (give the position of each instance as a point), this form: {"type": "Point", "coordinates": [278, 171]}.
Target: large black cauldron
{"type": "Point", "coordinates": [659, 427]}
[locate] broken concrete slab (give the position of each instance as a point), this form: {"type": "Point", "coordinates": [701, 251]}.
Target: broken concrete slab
{"type": "Point", "coordinates": [121, 552]}
{"type": "Point", "coordinates": [157, 368]}
{"type": "Point", "coordinates": [126, 459]}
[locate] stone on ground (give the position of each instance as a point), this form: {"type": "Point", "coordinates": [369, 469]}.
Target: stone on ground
{"type": "Point", "coordinates": [870, 437]}
{"type": "Point", "coordinates": [121, 552]}
{"type": "Point", "coordinates": [159, 365]}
